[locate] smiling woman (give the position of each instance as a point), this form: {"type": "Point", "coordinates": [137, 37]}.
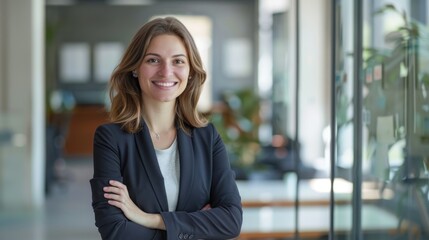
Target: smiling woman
{"type": "Point", "coordinates": [164, 71]}
{"type": "Point", "coordinates": [161, 171]}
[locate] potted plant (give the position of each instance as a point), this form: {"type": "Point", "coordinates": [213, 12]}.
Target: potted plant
{"type": "Point", "coordinates": [237, 119]}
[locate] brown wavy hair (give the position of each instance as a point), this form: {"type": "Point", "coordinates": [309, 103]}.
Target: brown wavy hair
{"type": "Point", "coordinates": [124, 89]}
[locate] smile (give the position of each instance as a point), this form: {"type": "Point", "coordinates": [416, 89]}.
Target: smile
{"type": "Point", "coordinates": [165, 84]}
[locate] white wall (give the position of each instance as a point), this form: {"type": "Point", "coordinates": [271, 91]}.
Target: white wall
{"type": "Point", "coordinates": [314, 79]}
{"type": "Point", "coordinates": [22, 103]}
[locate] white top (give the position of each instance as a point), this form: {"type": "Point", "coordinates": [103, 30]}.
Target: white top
{"type": "Point", "coordinates": [168, 160]}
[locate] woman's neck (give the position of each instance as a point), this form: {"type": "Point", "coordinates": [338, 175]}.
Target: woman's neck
{"type": "Point", "coordinates": [159, 118]}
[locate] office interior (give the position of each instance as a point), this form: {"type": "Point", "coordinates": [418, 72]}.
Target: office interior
{"type": "Point", "coordinates": [323, 106]}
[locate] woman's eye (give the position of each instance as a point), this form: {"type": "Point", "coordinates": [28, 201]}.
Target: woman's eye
{"type": "Point", "coordinates": [179, 61]}
{"type": "Point", "coordinates": [152, 60]}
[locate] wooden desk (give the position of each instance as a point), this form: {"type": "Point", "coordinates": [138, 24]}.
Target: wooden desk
{"type": "Point", "coordinates": [269, 212]}
{"type": "Point", "coordinates": [313, 192]}
{"type": "Point", "coordinates": [278, 222]}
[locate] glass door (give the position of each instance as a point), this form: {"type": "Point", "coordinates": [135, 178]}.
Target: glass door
{"type": "Point", "coordinates": [381, 147]}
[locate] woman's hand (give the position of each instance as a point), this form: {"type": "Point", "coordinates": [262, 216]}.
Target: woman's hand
{"type": "Point", "coordinates": [117, 195]}
{"type": "Point", "coordinates": [206, 207]}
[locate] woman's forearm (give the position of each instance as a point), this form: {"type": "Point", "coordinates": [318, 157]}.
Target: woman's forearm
{"type": "Point", "coordinates": [150, 220]}
{"type": "Point", "coordinates": [118, 196]}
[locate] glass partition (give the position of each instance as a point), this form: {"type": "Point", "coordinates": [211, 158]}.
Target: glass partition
{"type": "Point", "coordinates": [382, 119]}
{"type": "Point", "coordinates": [344, 125]}
{"type": "Point", "coordinates": [396, 107]}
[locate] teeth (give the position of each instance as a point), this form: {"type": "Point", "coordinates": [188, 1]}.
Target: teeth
{"type": "Point", "coordinates": [165, 84]}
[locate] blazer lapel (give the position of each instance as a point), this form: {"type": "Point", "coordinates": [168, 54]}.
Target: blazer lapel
{"type": "Point", "coordinates": [186, 156]}
{"type": "Point", "coordinates": [150, 165]}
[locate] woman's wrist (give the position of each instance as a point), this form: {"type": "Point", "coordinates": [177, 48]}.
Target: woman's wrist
{"type": "Point", "coordinates": [151, 220]}
{"type": "Point", "coordinates": [158, 221]}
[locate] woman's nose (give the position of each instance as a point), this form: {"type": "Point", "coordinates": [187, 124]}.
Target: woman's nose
{"type": "Point", "coordinates": [165, 70]}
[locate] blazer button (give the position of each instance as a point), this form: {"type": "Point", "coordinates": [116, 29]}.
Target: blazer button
{"type": "Point", "coordinates": [181, 236]}
{"type": "Point", "coordinates": [186, 236]}
{"type": "Point", "coordinates": [191, 236]}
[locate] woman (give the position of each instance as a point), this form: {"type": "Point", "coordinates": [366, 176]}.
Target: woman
{"type": "Point", "coordinates": [160, 169]}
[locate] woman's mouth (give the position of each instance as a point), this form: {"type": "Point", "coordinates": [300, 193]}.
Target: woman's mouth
{"type": "Point", "coordinates": [164, 84]}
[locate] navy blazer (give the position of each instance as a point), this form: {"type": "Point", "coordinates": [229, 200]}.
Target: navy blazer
{"type": "Point", "coordinates": [205, 177]}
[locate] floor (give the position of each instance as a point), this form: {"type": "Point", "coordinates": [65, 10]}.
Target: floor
{"type": "Point", "coordinates": [67, 214]}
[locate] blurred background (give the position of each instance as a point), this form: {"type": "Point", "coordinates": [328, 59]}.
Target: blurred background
{"type": "Point", "coordinates": [323, 106]}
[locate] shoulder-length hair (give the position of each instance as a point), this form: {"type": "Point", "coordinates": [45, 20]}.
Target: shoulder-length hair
{"type": "Point", "coordinates": [124, 89]}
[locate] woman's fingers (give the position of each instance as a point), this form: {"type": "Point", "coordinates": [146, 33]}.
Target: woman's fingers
{"type": "Point", "coordinates": [115, 197]}
{"type": "Point", "coordinates": [207, 207]}
{"type": "Point", "coordinates": [113, 190]}
{"type": "Point", "coordinates": [116, 191]}
{"type": "Point", "coordinates": [118, 185]}
{"type": "Point", "coordinates": [115, 204]}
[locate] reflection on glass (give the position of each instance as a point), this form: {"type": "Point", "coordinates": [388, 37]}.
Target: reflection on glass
{"type": "Point", "coordinates": [397, 104]}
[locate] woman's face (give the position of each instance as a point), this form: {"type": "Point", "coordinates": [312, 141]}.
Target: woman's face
{"type": "Point", "coordinates": [164, 71]}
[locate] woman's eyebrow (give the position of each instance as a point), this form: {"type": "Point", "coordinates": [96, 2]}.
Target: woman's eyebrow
{"type": "Point", "coordinates": [154, 54]}
{"type": "Point", "coordinates": [157, 55]}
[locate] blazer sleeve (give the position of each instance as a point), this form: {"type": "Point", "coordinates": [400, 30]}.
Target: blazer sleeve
{"type": "Point", "coordinates": [224, 220]}
{"type": "Point", "coordinates": [110, 221]}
